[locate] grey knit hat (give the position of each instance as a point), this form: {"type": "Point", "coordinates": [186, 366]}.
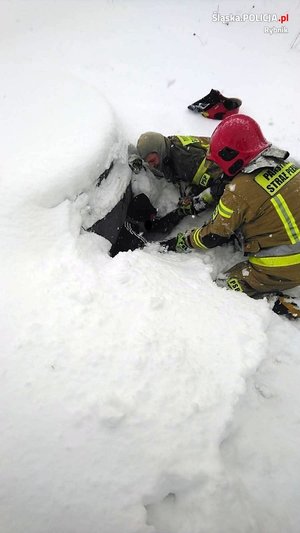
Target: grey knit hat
{"type": "Point", "coordinates": [153, 142]}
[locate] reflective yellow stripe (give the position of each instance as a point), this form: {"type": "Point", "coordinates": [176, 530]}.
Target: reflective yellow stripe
{"type": "Point", "coordinates": [281, 261]}
{"type": "Point", "coordinates": [286, 218]}
{"type": "Point", "coordinates": [224, 211]}
{"type": "Point", "coordinates": [199, 173]}
{"type": "Point", "coordinates": [197, 239]}
{"type": "Point", "coordinates": [188, 139]}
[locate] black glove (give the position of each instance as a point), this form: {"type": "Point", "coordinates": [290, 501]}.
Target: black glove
{"type": "Point", "coordinates": [164, 224]}
{"type": "Point", "coordinates": [217, 187]}
{"type": "Point", "coordinates": [177, 244]}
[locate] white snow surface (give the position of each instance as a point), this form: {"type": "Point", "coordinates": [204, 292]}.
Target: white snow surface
{"type": "Point", "coordinates": [136, 395]}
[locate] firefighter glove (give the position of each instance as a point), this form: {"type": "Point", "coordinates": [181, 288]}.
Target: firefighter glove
{"type": "Point", "coordinates": [177, 244]}
{"type": "Point", "coordinates": [186, 206]}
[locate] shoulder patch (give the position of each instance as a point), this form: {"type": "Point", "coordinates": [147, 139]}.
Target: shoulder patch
{"type": "Point", "coordinates": [187, 139]}
{"type": "Point", "coordinates": [273, 179]}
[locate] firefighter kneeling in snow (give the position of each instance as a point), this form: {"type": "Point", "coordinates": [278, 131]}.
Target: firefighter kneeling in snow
{"type": "Point", "coordinates": [261, 204]}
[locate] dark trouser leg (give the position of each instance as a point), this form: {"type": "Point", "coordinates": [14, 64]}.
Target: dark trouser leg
{"type": "Point", "coordinates": [164, 224]}
{"type": "Point", "coordinates": [109, 226]}
{"type": "Point", "coordinates": [128, 239]}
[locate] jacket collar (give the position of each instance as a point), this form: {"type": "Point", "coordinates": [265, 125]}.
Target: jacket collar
{"type": "Point", "coordinates": [268, 158]}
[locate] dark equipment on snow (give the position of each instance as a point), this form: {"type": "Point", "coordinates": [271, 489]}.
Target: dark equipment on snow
{"type": "Point", "coordinates": [215, 105]}
{"type": "Point", "coordinates": [286, 305]}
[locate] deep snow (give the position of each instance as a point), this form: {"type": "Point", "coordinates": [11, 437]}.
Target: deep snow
{"type": "Point", "coordinates": [136, 395]}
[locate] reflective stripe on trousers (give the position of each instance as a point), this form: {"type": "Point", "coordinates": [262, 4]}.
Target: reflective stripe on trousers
{"type": "Point", "coordinates": [277, 256]}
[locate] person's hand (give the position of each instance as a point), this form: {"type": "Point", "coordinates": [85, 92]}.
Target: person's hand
{"type": "Point", "coordinates": [186, 206]}
{"type": "Point", "coordinates": [136, 163]}
{"type": "Point", "coordinates": [192, 205]}
{"type": "Point", "coordinates": [177, 244]}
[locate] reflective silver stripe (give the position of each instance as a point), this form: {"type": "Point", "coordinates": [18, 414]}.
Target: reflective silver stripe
{"type": "Point", "coordinates": [286, 217]}
{"type": "Point", "coordinates": [277, 251]}
{"type": "Point", "coordinates": [131, 230]}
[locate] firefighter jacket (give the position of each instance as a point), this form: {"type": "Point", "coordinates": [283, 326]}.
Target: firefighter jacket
{"type": "Point", "coordinates": [186, 161]}
{"type": "Point", "coordinates": [263, 207]}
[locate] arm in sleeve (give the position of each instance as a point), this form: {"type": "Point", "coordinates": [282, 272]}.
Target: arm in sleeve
{"type": "Point", "coordinates": [188, 155]}
{"type": "Point", "coordinates": [228, 216]}
{"type": "Point", "coordinates": [206, 173]}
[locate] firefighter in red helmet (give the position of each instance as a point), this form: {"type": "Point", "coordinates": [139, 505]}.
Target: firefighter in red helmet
{"type": "Point", "coordinates": [261, 206]}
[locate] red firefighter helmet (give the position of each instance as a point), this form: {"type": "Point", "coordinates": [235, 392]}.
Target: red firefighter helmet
{"type": "Point", "coordinates": [236, 141]}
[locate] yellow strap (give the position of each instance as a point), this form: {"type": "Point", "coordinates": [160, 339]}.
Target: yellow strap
{"type": "Point", "coordinates": [200, 177]}
{"type": "Point", "coordinates": [273, 179]}
{"type": "Point", "coordinates": [286, 218]}
{"type": "Point", "coordinates": [197, 179]}
{"type": "Point", "coordinates": [281, 261]}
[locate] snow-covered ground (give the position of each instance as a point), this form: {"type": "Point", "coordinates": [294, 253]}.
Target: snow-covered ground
{"type": "Point", "coordinates": [136, 396]}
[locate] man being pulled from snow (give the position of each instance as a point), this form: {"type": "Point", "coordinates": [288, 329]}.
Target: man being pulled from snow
{"type": "Point", "coordinates": [178, 159]}
{"type": "Point", "coordinates": [261, 205]}
{"type": "Point", "coordinates": [134, 219]}
{"type": "Point", "coordinates": [182, 159]}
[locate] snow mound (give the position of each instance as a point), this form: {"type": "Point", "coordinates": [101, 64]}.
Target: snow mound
{"type": "Point", "coordinates": [58, 135]}
{"type": "Point", "coordinates": [120, 376]}
{"type": "Point", "coordinates": [123, 391]}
